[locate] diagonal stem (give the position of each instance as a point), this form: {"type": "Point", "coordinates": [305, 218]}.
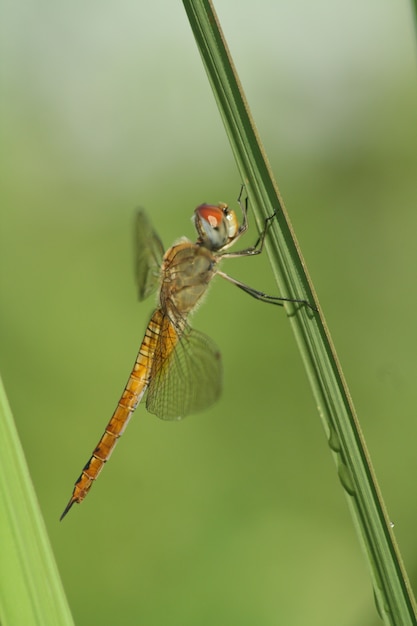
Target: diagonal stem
{"type": "Point", "coordinates": [393, 595]}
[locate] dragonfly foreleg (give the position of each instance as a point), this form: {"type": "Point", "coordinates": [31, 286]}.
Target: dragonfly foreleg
{"type": "Point", "coordinates": [257, 248]}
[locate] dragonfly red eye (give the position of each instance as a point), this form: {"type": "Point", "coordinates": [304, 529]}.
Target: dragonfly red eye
{"type": "Point", "coordinates": [211, 224]}
{"type": "Point", "coordinates": [211, 214]}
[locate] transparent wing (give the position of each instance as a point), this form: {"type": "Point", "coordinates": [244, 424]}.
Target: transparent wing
{"type": "Point", "coordinates": [148, 258]}
{"type": "Point", "coordinates": [186, 374]}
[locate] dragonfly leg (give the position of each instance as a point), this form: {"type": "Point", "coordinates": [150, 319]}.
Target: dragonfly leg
{"type": "Point", "coordinates": [244, 208]}
{"type": "Point", "coordinates": [252, 250]}
{"type": "Point", "coordinates": [259, 295]}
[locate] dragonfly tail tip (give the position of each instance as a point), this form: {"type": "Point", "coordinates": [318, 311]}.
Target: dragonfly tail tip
{"type": "Point", "coordinates": [67, 508]}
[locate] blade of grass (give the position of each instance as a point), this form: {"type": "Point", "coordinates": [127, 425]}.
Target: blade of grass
{"type": "Point", "coordinates": [394, 598]}
{"type": "Point", "coordinates": [31, 592]}
{"type": "Point", "coordinates": [414, 3]}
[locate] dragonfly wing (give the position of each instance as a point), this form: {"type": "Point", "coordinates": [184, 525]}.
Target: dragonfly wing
{"type": "Point", "coordinates": [186, 374]}
{"type": "Point", "coordinates": [149, 253]}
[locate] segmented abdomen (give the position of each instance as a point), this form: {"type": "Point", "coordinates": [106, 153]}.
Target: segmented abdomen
{"type": "Point", "coordinates": [132, 395]}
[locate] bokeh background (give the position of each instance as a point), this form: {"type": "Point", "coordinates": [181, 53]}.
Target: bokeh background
{"type": "Point", "coordinates": [233, 516]}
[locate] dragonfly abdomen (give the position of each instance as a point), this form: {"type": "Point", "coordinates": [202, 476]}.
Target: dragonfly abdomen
{"type": "Point", "coordinates": [132, 395]}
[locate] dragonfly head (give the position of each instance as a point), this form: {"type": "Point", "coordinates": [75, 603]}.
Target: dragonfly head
{"type": "Point", "coordinates": [216, 225]}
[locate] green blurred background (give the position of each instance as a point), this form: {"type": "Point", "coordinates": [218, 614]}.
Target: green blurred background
{"type": "Point", "coordinates": [234, 516]}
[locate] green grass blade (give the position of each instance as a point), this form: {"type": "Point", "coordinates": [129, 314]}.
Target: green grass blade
{"type": "Point", "coordinates": [30, 587]}
{"type": "Point", "coordinates": [414, 3]}
{"type": "Point", "coordinates": [394, 597]}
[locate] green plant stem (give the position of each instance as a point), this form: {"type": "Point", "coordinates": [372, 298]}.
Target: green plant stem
{"type": "Point", "coordinates": [393, 595]}
{"type": "Point", "coordinates": [31, 592]}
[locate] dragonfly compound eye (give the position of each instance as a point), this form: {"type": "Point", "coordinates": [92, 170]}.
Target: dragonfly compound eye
{"type": "Point", "coordinates": [212, 225]}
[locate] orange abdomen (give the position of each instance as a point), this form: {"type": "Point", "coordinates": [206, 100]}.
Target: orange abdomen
{"type": "Point", "coordinates": [132, 395]}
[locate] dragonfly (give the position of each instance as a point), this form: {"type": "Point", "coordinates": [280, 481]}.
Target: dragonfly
{"type": "Point", "coordinates": [177, 367]}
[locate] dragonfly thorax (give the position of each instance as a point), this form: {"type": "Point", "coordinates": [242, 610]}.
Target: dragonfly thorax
{"type": "Point", "coordinates": [186, 272]}
{"type": "Point", "coordinates": [216, 225]}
